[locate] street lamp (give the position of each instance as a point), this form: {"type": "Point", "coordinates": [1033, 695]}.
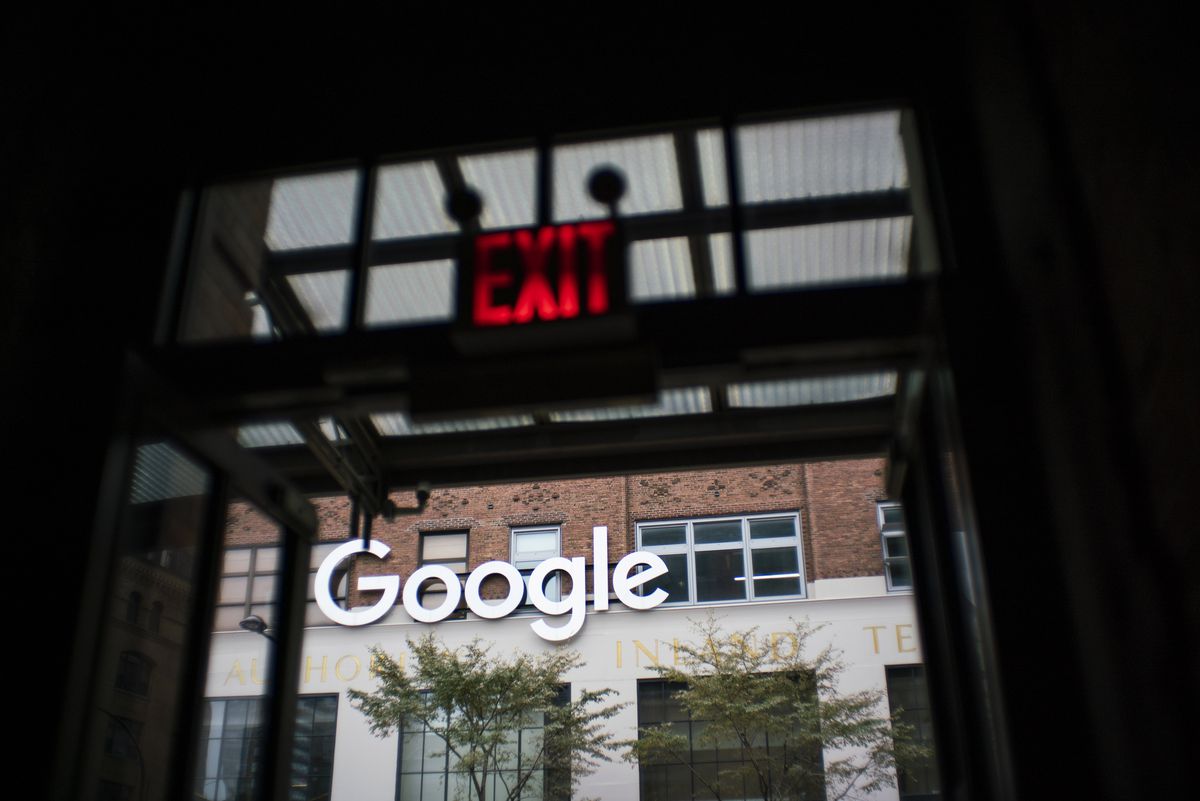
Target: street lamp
{"type": "Point", "coordinates": [257, 625]}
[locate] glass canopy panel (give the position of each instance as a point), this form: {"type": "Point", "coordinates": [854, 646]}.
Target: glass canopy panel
{"type": "Point", "coordinates": [720, 248]}
{"type": "Point", "coordinates": [647, 163]}
{"type": "Point", "coordinates": [417, 292]}
{"type": "Point", "coordinates": [399, 424]}
{"type": "Point", "coordinates": [661, 269]}
{"type": "Point", "coordinates": [160, 472]}
{"type": "Point", "coordinates": [269, 435]}
{"type": "Point", "coordinates": [691, 400]}
{"type": "Point", "coordinates": [821, 156]}
{"type": "Point", "coordinates": [810, 391]}
{"type": "Point", "coordinates": [506, 183]}
{"type": "Point", "coordinates": [280, 434]}
{"type": "Point", "coordinates": [831, 253]}
{"type": "Point", "coordinates": [312, 210]}
{"type": "Point", "coordinates": [410, 202]}
{"type": "Point", "coordinates": [323, 298]}
{"type": "Point", "coordinates": [710, 144]}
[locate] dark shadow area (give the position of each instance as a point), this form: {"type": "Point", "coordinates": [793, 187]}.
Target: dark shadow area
{"type": "Point", "coordinates": [1058, 146]}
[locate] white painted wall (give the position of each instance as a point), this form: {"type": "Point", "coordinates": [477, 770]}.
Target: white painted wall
{"type": "Point", "coordinates": [871, 630]}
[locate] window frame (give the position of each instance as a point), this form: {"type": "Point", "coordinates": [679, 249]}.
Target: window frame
{"type": "Point", "coordinates": [747, 546]}
{"type": "Point", "coordinates": [263, 608]}
{"type": "Point", "coordinates": [553, 585]}
{"type": "Point", "coordinates": [435, 588]}
{"type": "Point", "coordinates": [404, 732]}
{"type": "Point", "coordinates": [247, 747]}
{"type": "Point", "coordinates": [884, 535]}
{"type": "Point", "coordinates": [911, 714]}
{"type": "Point", "coordinates": [700, 759]}
{"type": "Point", "coordinates": [426, 535]}
{"type": "Point", "coordinates": [133, 673]}
{"type": "Point", "coordinates": [123, 739]}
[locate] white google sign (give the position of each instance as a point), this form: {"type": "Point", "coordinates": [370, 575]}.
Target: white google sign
{"type": "Point", "coordinates": [623, 584]}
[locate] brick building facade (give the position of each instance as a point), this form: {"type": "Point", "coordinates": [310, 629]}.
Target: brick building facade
{"type": "Point", "coordinates": [834, 507]}
{"type": "Point", "coordinates": [835, 499]}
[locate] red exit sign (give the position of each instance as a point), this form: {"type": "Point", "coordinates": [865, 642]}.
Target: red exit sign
{"type": "Point", "coordinates": [540, 275]}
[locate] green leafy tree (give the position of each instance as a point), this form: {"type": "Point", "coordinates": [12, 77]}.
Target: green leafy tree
{"type": "Point", "coordinates": [476, 703]}
{"type": "Point", "coordinates": [777, 708]}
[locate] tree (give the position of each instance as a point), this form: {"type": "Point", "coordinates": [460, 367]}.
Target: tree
{"type": "Point", "coordinates": [503, 723]}
{"type": "Point", "coordinates": [775, 716]}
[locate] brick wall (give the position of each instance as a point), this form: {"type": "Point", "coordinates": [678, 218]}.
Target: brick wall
{"type": "Point", "coordinates": [835, 500]}
{"type": "Point", "coordinates": [843, 529]}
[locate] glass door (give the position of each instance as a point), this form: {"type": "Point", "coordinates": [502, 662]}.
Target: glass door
{"type": "Point", "coordinates": [139, 724]}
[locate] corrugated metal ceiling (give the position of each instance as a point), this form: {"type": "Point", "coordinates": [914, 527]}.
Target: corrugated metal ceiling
{"type": "Point", "coordinates": [821, 156]}
{"type": "Point", "coordinates": [779, 161]}
{"type": "Point", "coordinates": [312, 210]}
{"type": "Point", "coordinates": [648, 164]}
{"type": "Point", "coordinates": [832, 253]}
{"type": "Point", "coordinates": [692, 400]}
{"type": "Point", "coordinates": [161, 472]}
{"type": "Point", "coordinates": [505, 181]}
{"type": "Point", "coordinates": [810, 391]}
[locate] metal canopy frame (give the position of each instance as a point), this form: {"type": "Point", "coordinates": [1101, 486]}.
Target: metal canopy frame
{"type": "Point", "coordinates": [806, 333]}
{"type": "Point", "coordinates": [708, 341]}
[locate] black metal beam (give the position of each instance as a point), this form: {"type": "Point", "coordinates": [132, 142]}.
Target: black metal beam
{"type": "Point", "coordinates": [689, 222]}
{"type": "Point", "coordinates": [692, 191]}
{"type": "Point", "coordinates": [693, 458]}
{"type": "Point", "coordinates": [744, 435]}
{"type": "Point", "coordinates": [703, 342]}
{"type": "Point", "coordinates": [164, 405]}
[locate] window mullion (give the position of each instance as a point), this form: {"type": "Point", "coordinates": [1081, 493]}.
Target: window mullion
{"type": "Point", "coordinates": [247, 604]}
{"type": "Point", "coordinates": [747, 559]}
{"type": "Point", "coordinates": [691, 557]}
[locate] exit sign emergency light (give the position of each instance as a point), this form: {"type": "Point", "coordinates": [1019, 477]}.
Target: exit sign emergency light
{"type": "Point", "coordinates": [530, 277]}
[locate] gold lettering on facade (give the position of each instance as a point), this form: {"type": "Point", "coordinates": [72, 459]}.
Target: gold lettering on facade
{"type": "Point", "coordinates": [254, 677]}
{"type": "Point", "coordinates": [788, 636]}
{"type": "Point", "coordinates": [874, 635]}
{"type": "Point", "coordinates": [308, 667]}
{"type": "Point", "coordinates": [618, 653]}
{"type": "Point", "coordinates": [740, 643]}
{"type": "Point", "coordinates": [375, 661]}
{"type": "Point", "coordinates": [901, 638]}
{"type": "Point", "coordinates": [642, 649]}
{"type": "Point", "coordinates": [236, 670]}
{"type": "Point", "coordinates": [675, 651]}
{"type": "Point", "coordinates": [337, 667]}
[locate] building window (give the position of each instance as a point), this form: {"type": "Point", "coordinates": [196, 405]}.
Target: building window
{"type": "Point", "coordinates": [230, 757]}
{"type": "Point", "coordinates": [426, 771]}
{"type": "Point", "coordinates": [908, 694]}
{"type": "Point", "coordinates": [705, 764]}
{"type": "Point", "coordinates": [114, 791]}
{"type": "Point", "coordinates": [531, 546]}
{"type": "Point", "coordinates": [133, 673]}
{"type": "Point", "coordinates": [155, 621]}
{"type": "Point", "coordinates": [249, 577]}
{"type": "Point", "coordinates": [312, 747]}
{"type": "Point", "coordinates": [716, 560]}
{"type": "Point", "coordinates": [122, 738]}
{"type": "Point", "coordinates": [447, 548]}
{"type": "Point", "coordinates": [133, 607]}
{"type": "Point", "coordinates": [896, 566]}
